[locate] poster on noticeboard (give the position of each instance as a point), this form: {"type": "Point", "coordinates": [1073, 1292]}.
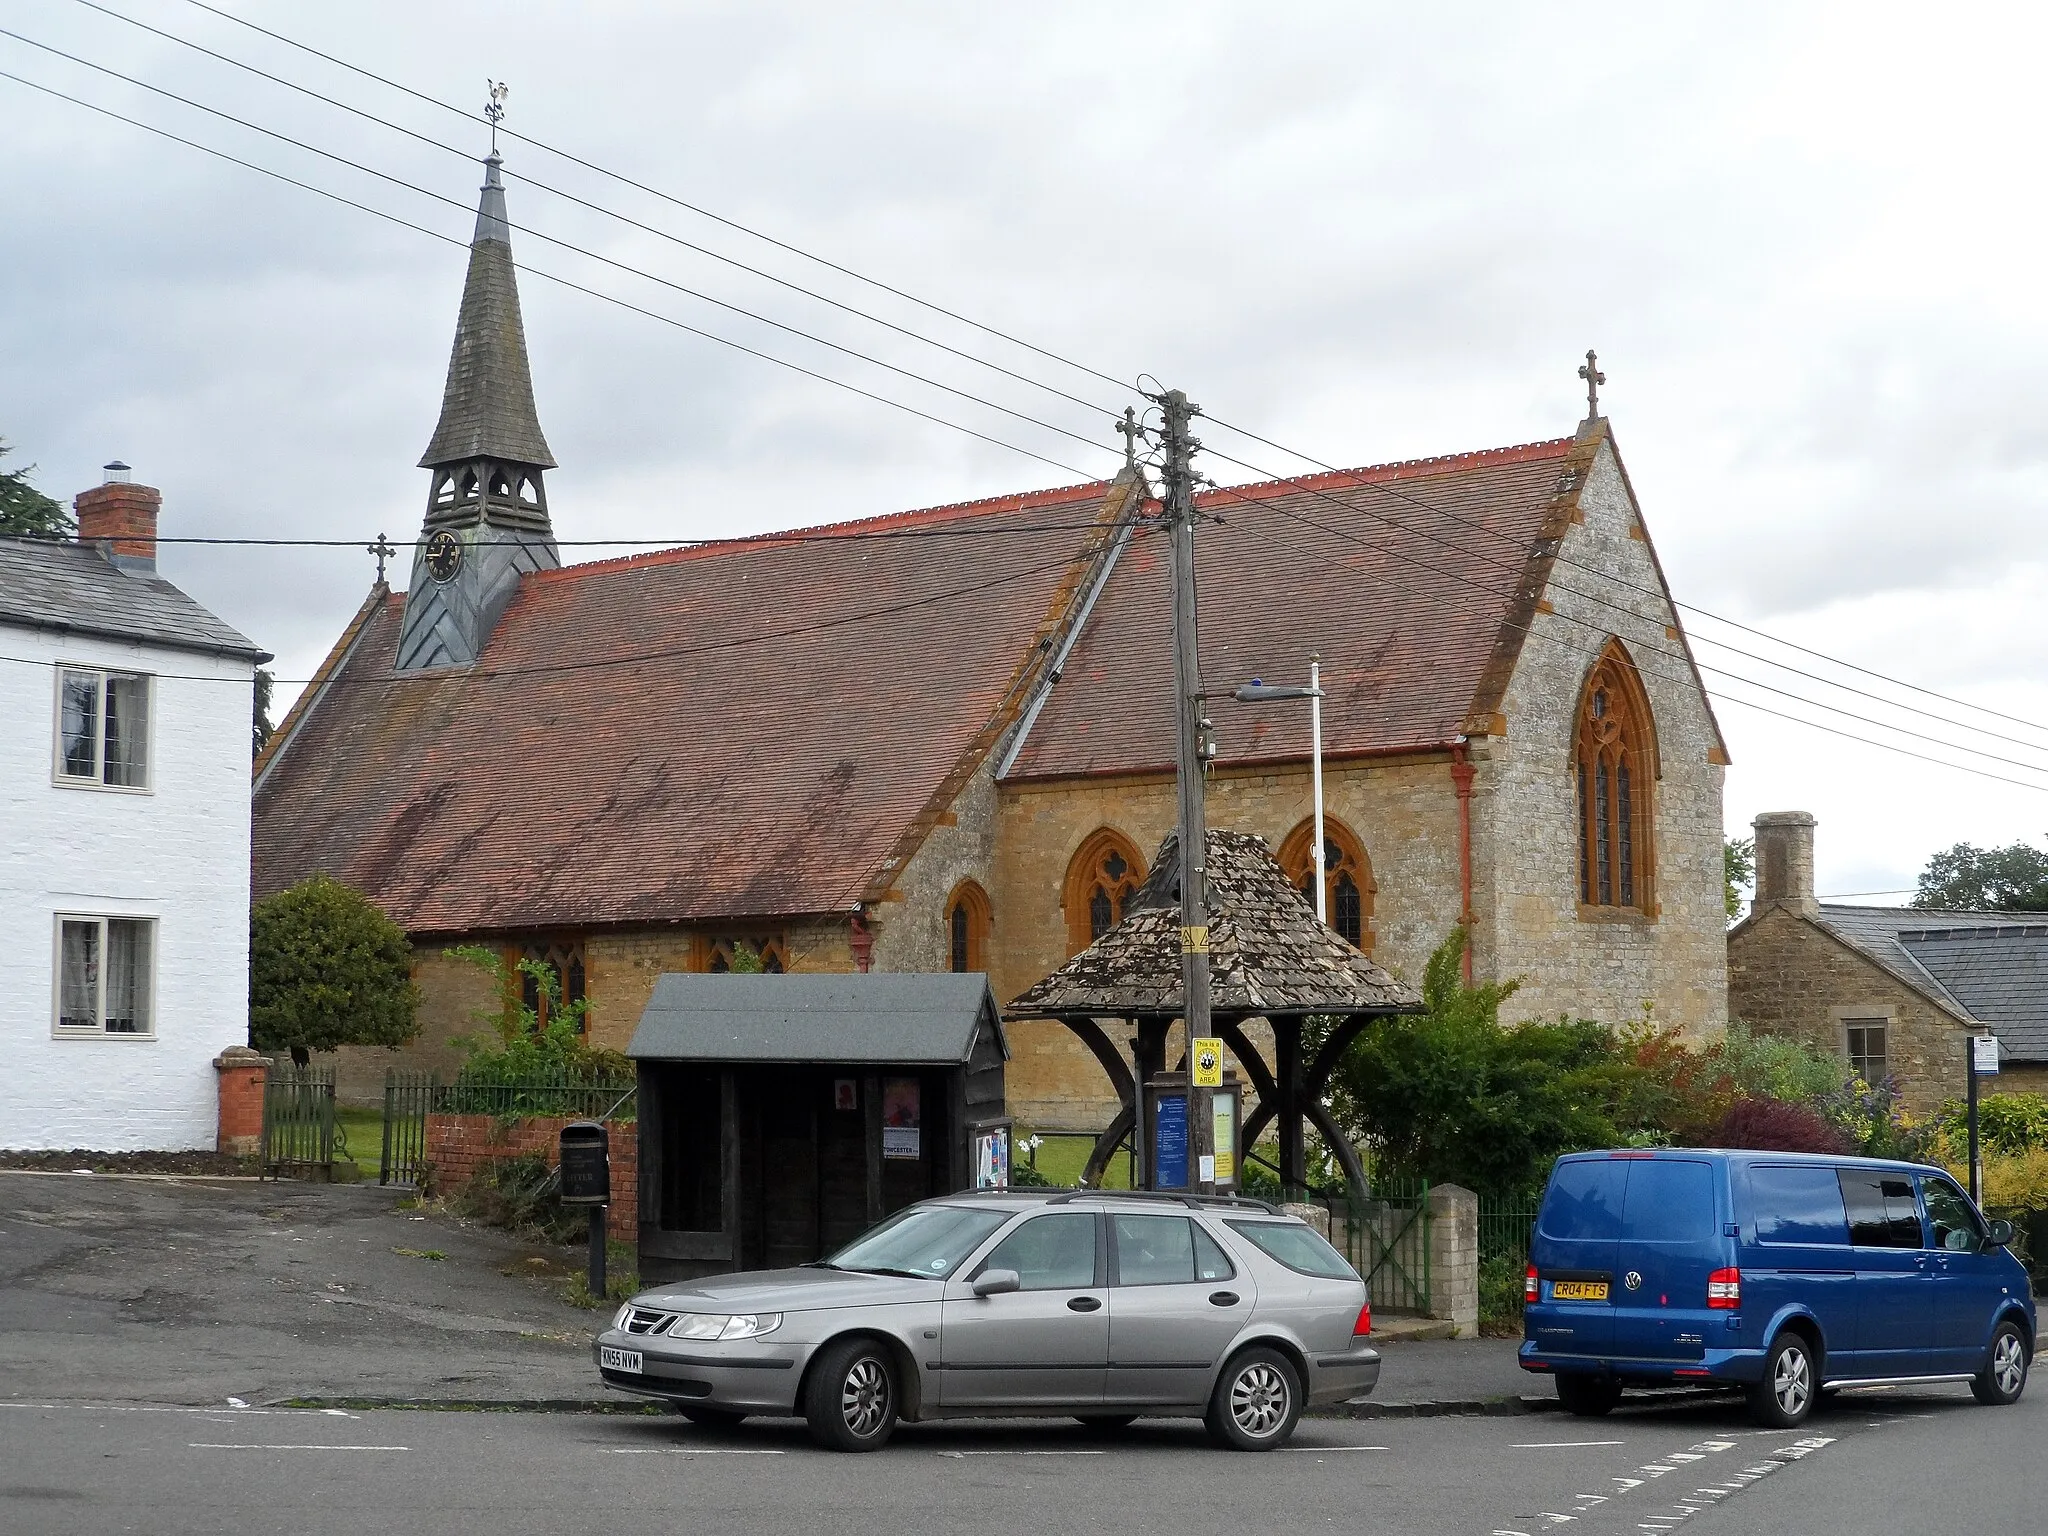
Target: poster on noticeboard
{"type": "Point", "coordinates": [902, 1133]}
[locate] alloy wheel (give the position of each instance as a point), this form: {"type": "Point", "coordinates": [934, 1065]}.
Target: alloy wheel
{"type": "Point", "coordinates": [2008, 1363]}
{"type": "Point", "coordinates": [1792, 1382]}
{"type": "Point", "coordinates": [1258, 1399]}
{"type": "Point", "coordinates": [864, 1396]}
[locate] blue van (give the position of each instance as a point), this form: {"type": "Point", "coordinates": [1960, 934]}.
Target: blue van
{"type": "Point", "coordinates": [1786, 1274]}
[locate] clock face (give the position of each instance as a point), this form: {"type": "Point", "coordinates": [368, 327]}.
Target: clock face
{"type": "Point", "coordinates": [444, 556]}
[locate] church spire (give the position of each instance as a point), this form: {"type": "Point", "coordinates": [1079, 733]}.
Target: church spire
{"type": "Point", "coordinates": [487, 510]}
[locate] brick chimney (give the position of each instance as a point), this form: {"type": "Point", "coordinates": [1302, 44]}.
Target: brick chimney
{"type": "Point", "coordinates": [1784, 861]}
{"type": "Point", "coordinates": [120, 517]}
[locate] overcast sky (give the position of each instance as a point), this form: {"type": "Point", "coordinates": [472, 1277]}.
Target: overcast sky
{"type": "Point", "coordinates": [1806, 241]}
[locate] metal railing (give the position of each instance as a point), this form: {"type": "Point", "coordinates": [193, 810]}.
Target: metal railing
{"type": "Point", "coordinates": [1386, 1236]}
{"type": "Point", "coordinates": [301, 1138]}
{"type": "Point", "coordinates": [569, 1100]}
{"type": "Point", "coordinates": [407, 1096]}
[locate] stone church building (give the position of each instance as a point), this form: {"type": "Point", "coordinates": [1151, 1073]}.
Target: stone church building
{"type": "Point", "coordinates": [943, 739]}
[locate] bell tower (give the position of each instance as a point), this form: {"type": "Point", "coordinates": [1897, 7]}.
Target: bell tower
{"type": "Point", "coordinates": [487, 505]}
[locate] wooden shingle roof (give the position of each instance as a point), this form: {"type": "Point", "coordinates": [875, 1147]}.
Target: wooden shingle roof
{"type": "Point", "coordinates": [1268, 956]}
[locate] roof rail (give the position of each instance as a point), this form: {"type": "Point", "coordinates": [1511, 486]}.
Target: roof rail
{"type": "Point", "coordinates": [1192, 1202]}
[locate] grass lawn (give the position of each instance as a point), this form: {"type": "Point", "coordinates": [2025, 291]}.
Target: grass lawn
{"type": "Point", "coordinates": [1061, 1159]}
{"type": "Point", "coordinates": [365, 1131]}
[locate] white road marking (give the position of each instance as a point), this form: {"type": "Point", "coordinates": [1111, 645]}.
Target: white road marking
{"type": "Point", "coordinates": [690, 1450]}
{"type": "Point", "coordinates": [1317, 1450]}
{"type": "Point", "coordinates": [956, 1455]}
{"type": "Point", "coordinates": [197, 1445]}
{"type": "Point", "coordinates": [1559, 1445]}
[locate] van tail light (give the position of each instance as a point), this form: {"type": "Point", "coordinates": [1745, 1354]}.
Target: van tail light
{"type": "Point", "coordinates": [1531, 1291]}
{"type": "Point", "coordinates": [1724, 1289]}
{"type": "Point", "coordinates": [1363, 1326]}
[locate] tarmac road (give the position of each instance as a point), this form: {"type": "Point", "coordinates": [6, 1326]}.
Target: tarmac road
{"type": "Point", "coordinates": [1872, 1463]}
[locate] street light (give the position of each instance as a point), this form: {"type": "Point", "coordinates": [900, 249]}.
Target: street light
{"type": "Point", "coordinates": [1256, 692]}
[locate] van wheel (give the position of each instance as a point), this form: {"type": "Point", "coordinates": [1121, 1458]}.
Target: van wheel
{"type": "Point", "coordinates": [850, 1397]}
{"type": "Point", "coordinates": [1588, 1397]}
{"type": "Point", "coordinates": [1256, 1402]}
{"type": "Point", "coordinates": [1785, 1395]}
{"type": "Point", "coordinates": [2004, 1376]}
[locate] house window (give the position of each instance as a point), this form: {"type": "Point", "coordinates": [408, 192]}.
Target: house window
{"type": "Point", "coordinates": [1868, 1049]}
{"type": "Point", "coordinates": [1348, 885]}
{"type": "Point", "coordinates": [1614, 766]}
{"type": "Point", "coordinates": [1104, 873]}
{"type": "Point", "coordinates": [967, 928]}
{"type": "Point", "coordinates": [102, 728]}
{"type": "Point", "coordinates": [564, 959]}
{"type": "Point", "coordinates": [765, 955]}
{"type": "Point", "coordinates": [106, 974]}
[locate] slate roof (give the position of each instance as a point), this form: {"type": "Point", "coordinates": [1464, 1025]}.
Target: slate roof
{"type": "Point", "coordinates": [742, 730]}
{"type": "Point", "coordinates": [487, 408]}
{"type": "Point", "coordinates": [1268, 956]}
{"type": "Point", "coordinates": [1990, 968]}
{"type": "Point", "coordinates": [1405, 627]}
{"type": "Point", "coordinates": [878, 1018]}
{"type": "Point", "coordinates": [66, 587]}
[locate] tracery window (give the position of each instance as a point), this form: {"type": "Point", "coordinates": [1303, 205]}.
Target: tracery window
{"type": "Point", "coordinates": [967, 927]}
{"type": "Point", "coordinates": [1348, 885]}
{"type": "Point", "coordinates": [765, 955]}
{"type": "Point", "coordinates": [563, 958]}
{"type": "Point", "coordinates": [1614, 765]}
{"type": "Point", "coordinates": [1104, 873]}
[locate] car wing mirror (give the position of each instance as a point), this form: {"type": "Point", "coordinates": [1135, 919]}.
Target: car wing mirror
{"type": "Point", "coordinates": [1999, 1234]}
{"type": "Point", "coordinates": [997, 1282]}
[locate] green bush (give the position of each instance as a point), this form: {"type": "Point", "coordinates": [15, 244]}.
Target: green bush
{"type": "Point", "coordinates": [520, 1050]}
{"type": "Point", "coordinates": [522, 1194]}
{"type": "Point", "coordinates": [2010, 1123]}
{"type": "Point", "coordinates": [1500, 1296]}
{"type": "Point", "coordinates": [327, 968]}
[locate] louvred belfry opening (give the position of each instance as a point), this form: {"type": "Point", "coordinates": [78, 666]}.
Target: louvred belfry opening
{"type": "Point", "coordinates": [1615, 771]}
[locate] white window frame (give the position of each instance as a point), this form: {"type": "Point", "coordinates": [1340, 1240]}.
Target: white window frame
{"type": "Point", "coordinates": [98, 779]}
{"type": "Point", "coordinates": [99, 1031]}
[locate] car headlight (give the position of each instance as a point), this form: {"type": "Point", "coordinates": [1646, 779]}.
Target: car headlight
{"type": "Point", "coordinates": [619, 1317]}
{"type": "Point", "coordinates": [750, 1325]}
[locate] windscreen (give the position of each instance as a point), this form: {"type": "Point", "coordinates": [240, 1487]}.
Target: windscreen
{"type": "Point", "coordinates": [926, 1241]}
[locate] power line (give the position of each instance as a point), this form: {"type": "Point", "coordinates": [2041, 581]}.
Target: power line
{"type": "Point", "coordinates": [348, 202]}
{"type": "Point", "coordinates": [567, 245]}
{"type": "Point", "coordinates": [599, 208]}
{"type": "Point", "coordinates": [638, 186]}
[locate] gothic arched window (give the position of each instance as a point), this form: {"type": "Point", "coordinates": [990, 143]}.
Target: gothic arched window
{"type": "Point", "coordinates": [1104, 873]}
{"type": "Point", "coordinates": [967, 928]}
{"type": "Point", "coordinates": [1348, 885]}
{"type": "Point", "coordinates": [1614, 770]}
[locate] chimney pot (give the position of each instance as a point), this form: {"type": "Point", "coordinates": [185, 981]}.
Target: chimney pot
{"type": "Point", "coordinates": [1784, 861]}
{"type": "Point", "coordinates": [120, 517]}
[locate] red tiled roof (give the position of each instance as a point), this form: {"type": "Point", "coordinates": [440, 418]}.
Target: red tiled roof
{"type": "Point", "coordinates": [1402, 615]}
{"type": "Point", "coordinates": [738, 730]}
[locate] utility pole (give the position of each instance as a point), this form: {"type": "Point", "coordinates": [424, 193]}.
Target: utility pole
{"type": "Point", "coordinates": [1191, 761]}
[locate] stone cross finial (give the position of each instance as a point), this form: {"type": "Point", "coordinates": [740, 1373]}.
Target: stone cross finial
{"type": "Point", "coordinates": [1590, 372]}
{"type": "Point", "coordinates": [383, 549]}
{"type": "Point", "coordinates": [495, 111]}
{"type": "Point", "coordinates": [1131, 432]}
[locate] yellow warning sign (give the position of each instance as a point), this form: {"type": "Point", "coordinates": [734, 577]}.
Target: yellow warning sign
{"type": "Point", "coordinates": [1208, 1062]}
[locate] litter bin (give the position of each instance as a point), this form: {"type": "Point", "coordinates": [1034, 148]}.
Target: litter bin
{"type": "Point", "coordinates": [586, 1168]}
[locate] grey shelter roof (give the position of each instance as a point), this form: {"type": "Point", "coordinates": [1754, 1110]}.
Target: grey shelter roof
{"type": "Point", "coordinates": [1268, 956]}
{"type": "Point", "coordinates": [487, 409]}
{"type": "Point", "coordinates": [1987, 967]}
{"type": "Point", "coordinates": [61, 585]}
{"type": "Point", "coordinates": [911, 1020]}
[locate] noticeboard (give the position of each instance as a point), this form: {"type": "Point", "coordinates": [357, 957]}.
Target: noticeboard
{"type": "Point", "coordinates": [1984, 1055]}
{"type": "Point", "coordinates": [1170, 1142]}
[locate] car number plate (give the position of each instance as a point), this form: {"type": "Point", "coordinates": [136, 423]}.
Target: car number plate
{"type": "Point", "coordinates": [618, 1359]}
{"type": "Point", "coordinates": [1578, 1290]}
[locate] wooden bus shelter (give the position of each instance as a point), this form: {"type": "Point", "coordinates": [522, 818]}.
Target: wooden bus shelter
{"type": "Point", "coordinates": [781, 1116]}
{"type": "Point", "coordinates": [1268, 959]}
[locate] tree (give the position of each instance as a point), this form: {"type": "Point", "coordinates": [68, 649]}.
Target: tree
{"type": "Point", "coordinates": [260, 728]}
{"type": "Point", "coordinates": [1738, 869]}
{"type": "Point", "coordinates": [327, 968]}
{"type": "Point", "coordinates": [1966, 878]}
{"type": "Point", "coordinates": [24, 510]}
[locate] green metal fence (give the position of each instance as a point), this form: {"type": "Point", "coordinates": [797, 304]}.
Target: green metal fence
{"type": "Point", "coordinates": [571, 1100]}
{"type": "Point", "coordinates": [1504, 1228]}
{"type": "Point", "coordinates": [301, 1138]}
{"type": "Point", "coordinates": [1386, 1236]}
{"type": "Point", "coordinates": [407, 1095]}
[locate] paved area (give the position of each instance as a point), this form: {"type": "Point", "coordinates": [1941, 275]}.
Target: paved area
{"type": "Point", "coordinates": [1887, 1462]}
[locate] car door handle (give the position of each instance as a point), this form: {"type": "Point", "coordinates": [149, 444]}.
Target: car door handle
{"type": "Point", "coordinates": [1085, 1304]}
{"type": "Point", "coordinates": [1223, 1298]}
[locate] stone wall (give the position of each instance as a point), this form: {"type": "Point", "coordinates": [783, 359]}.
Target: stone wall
{"type": "Point", "coordinates": [1672, 959]}
{"type": "Point", "coordinates": [456, 998]}
{"type": "Point", "coordinates": [458, 1145]}
{"type": "Point", "coordinates": [1787, 975]}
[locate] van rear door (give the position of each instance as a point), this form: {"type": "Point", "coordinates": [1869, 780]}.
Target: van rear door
{"type": "Point", "coordinates": [1573, 1252]}
{"type": "Point", "coordinates": [1670, 1243]}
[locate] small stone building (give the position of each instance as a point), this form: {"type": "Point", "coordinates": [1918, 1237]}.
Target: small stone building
{"type": "Point", "coordinates": [1896, 991]}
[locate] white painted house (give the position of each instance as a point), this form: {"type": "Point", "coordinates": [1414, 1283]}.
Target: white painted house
{"type": "Point", "coordinates": [124, 839]}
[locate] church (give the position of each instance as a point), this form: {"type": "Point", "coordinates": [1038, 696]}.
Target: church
{"type": "Point", "coordinates": [944, 740]}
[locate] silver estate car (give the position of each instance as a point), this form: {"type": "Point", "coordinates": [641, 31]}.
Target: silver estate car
{"type": "Point", "coordinates": [1096, 1305]}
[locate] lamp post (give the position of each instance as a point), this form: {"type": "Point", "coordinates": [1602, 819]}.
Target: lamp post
{"type": "Point", "coordinates": [1256, 692]}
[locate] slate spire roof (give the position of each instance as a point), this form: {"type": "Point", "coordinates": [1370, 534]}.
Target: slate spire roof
{"type": "Point", "coordinates": [487, 409]}
{"type": "Point", "coordinates": [1268, 956]}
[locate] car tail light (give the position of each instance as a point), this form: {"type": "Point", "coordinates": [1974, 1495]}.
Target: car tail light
{"type": "Point", "coordinates": [1364, 1324]}
{"type": "Point", "coordinates": [1531, 1291]}
{"type": "Point", "coordinates": [1724, 1289]}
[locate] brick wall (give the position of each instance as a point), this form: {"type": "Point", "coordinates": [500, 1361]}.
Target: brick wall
{"type": "Point", "coordinates": [457, 1145]}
